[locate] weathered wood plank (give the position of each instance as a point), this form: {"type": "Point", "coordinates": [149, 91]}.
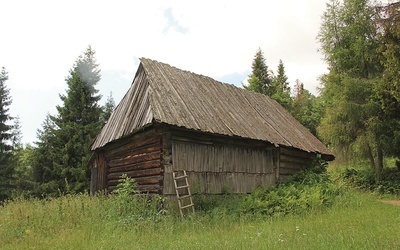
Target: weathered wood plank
{"type": "Point", "coordinates": [209, 158]}
{"type": "Point", "coordinates": [216, 183]}
{"type": "Point", "coordinates": [147, 180]}
{"type": "Point", "coordinates": [292, 165]}
{"type": "Point", "coordinates": [136, 173]}
{"type": "Point", "coordinates": [134, 160]}
{"type": "Point", "coordinates": [296, 153]}
{"type": "Point", "coordinates": [137, 151]}
{"type": "Point", "coordinates": [136, 166]}
{"type": "Point", "coordinates": [133, 143]}
{"type": "Point", "coordinates": [294, 159]}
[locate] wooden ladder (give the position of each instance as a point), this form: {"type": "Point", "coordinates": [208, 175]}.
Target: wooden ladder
{"type": "Point", "coordinates": [183, 194]}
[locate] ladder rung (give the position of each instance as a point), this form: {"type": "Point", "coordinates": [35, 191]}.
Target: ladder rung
{"type": "Point", "coordinates": [190, 205]}
{"type": "Point", "coordinates": [180, 177]}
{"type": "Point", "coordinates": [183, 197]}
{"type": "Point", "coordinates": [186, 186]}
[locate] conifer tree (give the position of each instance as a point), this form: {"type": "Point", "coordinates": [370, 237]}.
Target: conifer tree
{"type": "Point", "coordinates": [260, 80]}
{"type": "Point", "coordinates": [77, 123]}
{"type": "Point", "coordinates": [108, 108]}
{"type": "Point", "coordinates": [6, 148]}
{"type": "Point", "coordinates": [352, 122]}
{"type": "Point", "coordinates": [281, 88]}
{"type": "Point", "coordinates": [45, 156]}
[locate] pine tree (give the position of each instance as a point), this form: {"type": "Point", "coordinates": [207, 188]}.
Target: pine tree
{"type": "Point", "coordinates": [260, 80]}
{"type": "Point", "coordinates": [6, 148]}
{"type": "Point", "coordinates": [281, 89]}
{"type": "Point", "coordinates": [78, 122]}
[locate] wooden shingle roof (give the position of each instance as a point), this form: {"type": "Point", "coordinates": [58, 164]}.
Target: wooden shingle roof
{"type": "Point", "coordinates": [161, 93]}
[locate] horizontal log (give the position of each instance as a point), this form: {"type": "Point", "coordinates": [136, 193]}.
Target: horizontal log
{"type": "Point", "coordinates": [291, 165]}
{"type": "Point", "coordinates": [295, 159]}
{"type": "Point", "coordinates": [134, 160]}
{"type": "Point", "coordinates": [153, 143]}
{"type": "Point", "coordinates": [132, 142]}
{"type": "Point", "coordinates": [136, 166]}
{"type": "Point", "coordinates": [148, 180]}
{"type": "Point", "coordinates": [137, 151]}
{"type": "Point", "coordinates": [149, 156]}
{"type": "Point", "coordinates": [136, 173]}
{"type": "Point", "coordinates": [296, 153]}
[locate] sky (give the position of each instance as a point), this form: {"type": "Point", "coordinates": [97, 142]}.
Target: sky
{"type": "Point", "coordinates": [41, 40]}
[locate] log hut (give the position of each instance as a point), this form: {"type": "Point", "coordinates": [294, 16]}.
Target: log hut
{"type": "Point", "coordinates": [227, 139]}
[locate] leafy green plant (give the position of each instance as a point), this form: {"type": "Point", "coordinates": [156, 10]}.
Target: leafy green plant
{"type": "Point", "coordinates": [364, 179]}
{"type": "Point", "coordinates": [303, 192]}
{"type": "Point", "coordinates": [131, 206]}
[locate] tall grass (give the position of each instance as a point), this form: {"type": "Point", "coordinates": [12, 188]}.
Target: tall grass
{"type": "Point", "coordinates": [355, 220]}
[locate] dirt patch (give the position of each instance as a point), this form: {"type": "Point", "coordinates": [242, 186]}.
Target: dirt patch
{"type": "Point", "coordinates": [392, 202]}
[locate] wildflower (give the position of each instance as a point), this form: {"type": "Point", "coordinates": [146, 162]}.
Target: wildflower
{"type": "Point", "coordinates": [27, 231]}
{"type": "Point", "coordinates": [279, 239]}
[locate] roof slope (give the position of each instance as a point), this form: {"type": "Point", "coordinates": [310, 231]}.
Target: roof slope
{"type": "Point", "coordinates": [165, 94]}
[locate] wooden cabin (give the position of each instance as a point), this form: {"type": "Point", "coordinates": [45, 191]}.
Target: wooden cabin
{"type": "Point", "coordinates": [226, 138]}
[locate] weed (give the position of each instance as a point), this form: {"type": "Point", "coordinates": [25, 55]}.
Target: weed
{"type": "Point", "coordinates": [131, 206]}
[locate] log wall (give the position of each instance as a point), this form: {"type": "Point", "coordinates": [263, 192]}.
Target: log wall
{"type": "Point", "coordinates": [291, 161]}
{"type": "Point", "coordinates": [139, 157]}
{"type": "Point", "coordinates": [98, 176]}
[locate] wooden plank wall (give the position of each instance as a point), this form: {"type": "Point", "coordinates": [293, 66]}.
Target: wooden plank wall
{"type": "Point", "coordinates": [139, 157]}
{"type": "Point", "coordinates": [292, 161]}
{"type": "Point", "coordinates": [217, 168]}
{"type": "Point", "coordinates": [98, 180]}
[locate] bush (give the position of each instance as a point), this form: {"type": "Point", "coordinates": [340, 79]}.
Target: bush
{"type": "Point", "coordinates": [130, 206]}
{"type": "Point", "coordinates": [304, 192]}
{"type": "Point", "coordinates": [364, 180]}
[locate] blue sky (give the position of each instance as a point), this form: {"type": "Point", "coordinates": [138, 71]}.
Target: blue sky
{"type": "Point", "coordinates": [42, 39]}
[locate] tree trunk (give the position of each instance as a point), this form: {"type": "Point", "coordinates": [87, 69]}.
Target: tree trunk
{"type": "Point", "coordinates": [371, 157]}
{"type": "Point", "coordinates": [379, 165]}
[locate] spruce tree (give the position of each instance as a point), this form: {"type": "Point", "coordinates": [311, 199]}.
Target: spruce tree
{"type": "Point", "coordinates": [108, 108]}
{"type": "Point", "coordinates": [6, 148]}
{"type": "Point", "coordinates": [281, 89]}
{"type": "Point", "coordinates": [78, 122]}
{"type": "Point", "coordinates": [260, 80]}
{"type": "Point", "coordinates": [45, 156]}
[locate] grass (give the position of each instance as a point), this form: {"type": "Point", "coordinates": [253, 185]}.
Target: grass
{"type": "Point", "coordinates": [356, 221]}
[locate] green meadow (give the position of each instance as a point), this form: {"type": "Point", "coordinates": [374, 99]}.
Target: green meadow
{"type": "Point", "coordinates": [354, 220]}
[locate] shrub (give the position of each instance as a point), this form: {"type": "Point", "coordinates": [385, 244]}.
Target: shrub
{"type": "Point", "coordinates": [131, 206]}
{"type": "Point", "coordinates": [364, 179]}
{"type": "Point", "coordinates": [303, 192]}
